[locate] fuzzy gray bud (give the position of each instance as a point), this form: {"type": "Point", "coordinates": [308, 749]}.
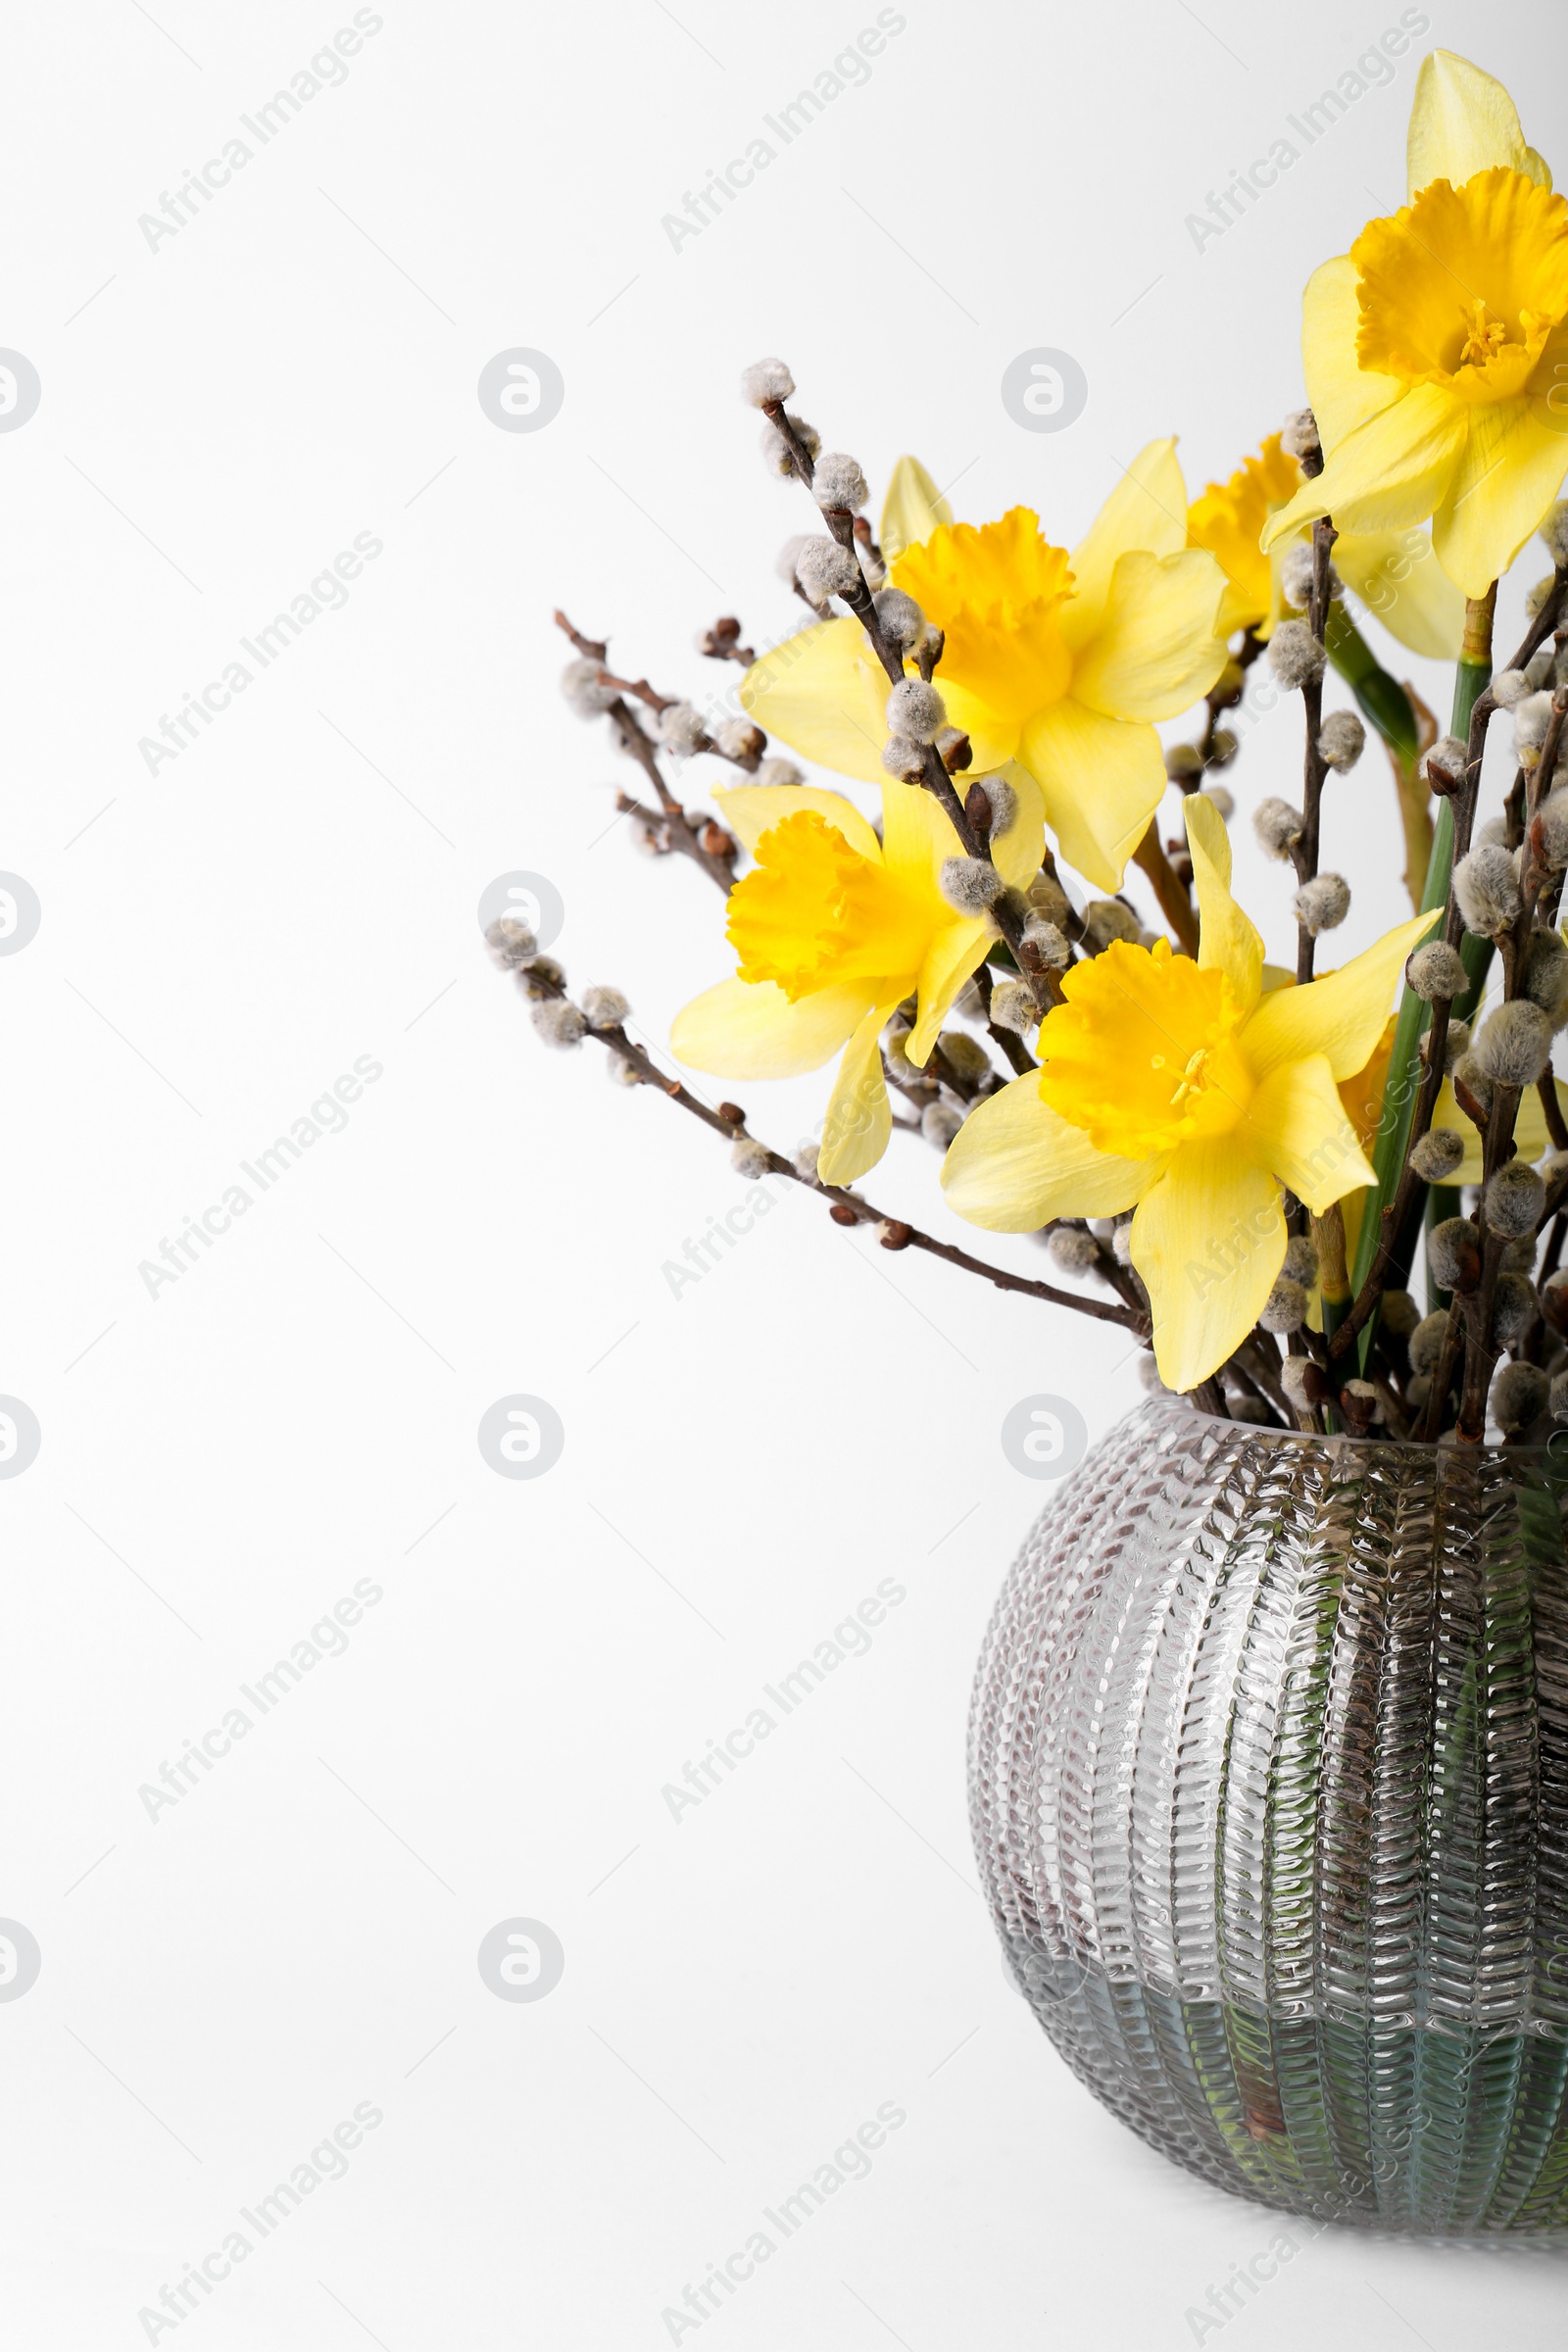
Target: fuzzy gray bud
{"type": "Point", "coordinates": [789, 556]}
{"type": "Point", "coordinates": [1558, 1397]}
{"type": "Point", "coordinates": [1048, 898]}
{"type": "Point", "coordinates": [579, 683]}
{"type": "Point", "coordinates": [1545, 977]}
{"type": "Point", "coordinates": [1516, 1199]}
{"type": "Point", "coordinates": [1299, 434]}
{"type": "Point", "coordinates": [1541, 666]}
{"type": "Point", "coordinates": [1486, 889]}
{"type": "Point", "coordinates": [1467, 1072]}
{"type": "Point", "coordinates": [776, 774]}
{"type": "Point", "coordinates": [1295, 656]}
{"type": "Point", "coordinates": [1278, 826]}
{"type": "Point", "coordinates": [1436, 1156]}
{"type": "Point", "coordinates": [1549, 834]}
{"type": "Point", "coordinates": [940, 1123]}
{"type": "Point", "coordinates": [1003, 802]}
{"type": "Point", "coordinates": [681, 729]}
{"type": "Point", "coordinates": [750, 1158]}
{"type": "Point", "coordinates": [824, 568]}
{"type": "Point", "coordinates": [839, 482]}
{"type": "Point", "coordinates": [766, 380]}
{"type": "Point", "coordinates": [1341, 741]}
{"type": "Point", "coordinates": [1042, 934]}
{"type": "Point", "coordinates": [512, 944]}
{"type": "Point", "coordinates": [966, 1055]}
{"type": "Point", "coordinates": [1536, 598]}
{"type": "Point", "coordinates": [1455, 1046]}
{"type": "Point", "coordinates": [1400, 1314]}
{"type": "Point", "coordinates": [917, 710]}
{"type": "Point", "coordinates": [1554, 531]}
{"type": "Point", "coordinates": [776, 450]}
{"type": "Point", "coordinates": [1284, 1308]}
{"type": "Point", "coordinates": [903, 621]}
{"type": "Point", "coordinates": [1445, 765]}
{"type": "Point", "coordinates": [903, 758]}
{"type": "Point", "coordinates": [738, 739]}
{"type": "Point", "coordinates": [1514, 1044]}
{"type": "Point", "coordinates": [1426, 1342]}
{"type": "Point", "coordinates": [604, 1007]}
{"type": "Point", "coordinates": [1295, 577]}
{"type": "Point", "coordinates": [1183, 760]}
{"type": "Point", "coordinates": [558, 1022]}
{"type": "Point", "coordinates": [1508, 688]}
{"type": "Point", "coordinates": [1072, 1250]}
{"type": "Point", "coordinates": [1301, 1260]}
{"type": "Point", "coordinates": [1436, 970]}
{"type": "Point", "coordinates": [1323, 904]}
{"type": "Point", "coordinates": [1014, 1007]}
{"type": "Point", "coordinates": [973, 885]}
{"type": "Point", "coordinates": [1514, 1308]}
{"type": "Point", "coordinates": [1454, 1254]}
{"type": "Point", "coordinates": [1531, 720]}
{"type": "Point", "coordinates": [806, 1162]}
{"type": "Point", "coordinates": [1519, 1397]}
{"type": "Point", "coordinates": [1294, 1379]}
{"type": "Point", "coordinates": [1106, 920]}
{"type": "Point", "coordinates": [1222, 802]}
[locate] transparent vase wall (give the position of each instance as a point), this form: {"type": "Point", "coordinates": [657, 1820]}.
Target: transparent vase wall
{"type": "Point", "coordinates": [1269, 1789]}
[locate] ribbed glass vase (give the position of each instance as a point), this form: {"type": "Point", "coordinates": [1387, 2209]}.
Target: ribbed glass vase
{"type": "Point", "coordinates": [1269, 1788]}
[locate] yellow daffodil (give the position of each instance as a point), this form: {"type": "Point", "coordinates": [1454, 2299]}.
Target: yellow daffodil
{"type": "Point", "coordinates": [1061, 663]}
{"type": "Point", "coordinates": [1394, 573]}
{"type": "Point", "coordinates": [834, 928]}
{"type": "Point", "coordinates": [1187, 1089]}
{"type": "Point", "coordinates": [1436, 351]}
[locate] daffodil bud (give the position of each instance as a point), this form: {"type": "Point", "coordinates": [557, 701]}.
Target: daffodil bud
{"type": "Point", "coordinates": [1301, 1260]}
{"type": "Point", "coordinates": [1454, 1254]}
{"type": "Point", "coordinates": [1519, 1395]}
{"type": "Point", "coordinates": [1278, 826]}
{"type": "Point", "coordinates": [1071, 1250]}
{"type": "Point", "coordinates": [1299, 434]}
{"type": "Point", "coordinates": [558, 1022]}
{"type": "Point", "coordinates": [1052, 944]}
{"type": "Point", "coordinates": [1486, 889]}
{"type": "Point", "coordinates": [1014, 1007]}
{"type": "Point", "coordinates": [903, 758]}
{"type": "Point", "coordinates": [839, 483]}
{"type": "Point", "coordinates": [766, 380]}
{"type": "Point", "coordinates": [903, 621]}
{"type": "Point", "coordinates": [1516, 1199]}
{"type": "Point", "coordinates": [1545, 977]}
{"type": "Point", "coordinates": [1445, 765]}
{"type": "Point", "coordinates": [971, 885]}
{"type": "Point", "coordinates": [917, 710]}
{"type": "Point", "coordinates": [1295, 656]}
{"type": "Point", "coordinates": [1323, 904]}
{"type": "Point", "coordinates": [940, 1123]}
{"type": "Point", "coordinates": [604, 1007]}
{"type": "Point", "coordinates": [1183, 760]}
{"type": "Point", "coordinates": [824, 568]}
{"type": "Point", "coordinates": [750, 1158]}
{"type": "Point", "coordinates": [579, 683]}
{"type": "Point", "coordinates": [1284, 1308]}
{"type": "Point", "coordinates": [1508, 687]}
{"type": "Point", "coordinates": [1438, 1155]}
{"type": "Point", "coordinates": [1514, 1044]}
{"type": "Point", "coordinates": [1341, 741]}
{"type": "Point", "coordinates": [1399, 1314]}
{"type": "Point", "coordinates": [1221, 801]}
{"type": "Point", "coordinates": [512, 944]}
{"type": "Point", "coordinates": [1536, 598]}
{"type": "Point", "coordinates": [1435, 970]}
{"type": "Point", "coordinates": [776, 450]}
{"type": "Point", "coordinates": [1531, 720]}
{"type": "Point", "coordinates": [1427, 1340]}
{"type": "Point", "coordinates": [681, 729]}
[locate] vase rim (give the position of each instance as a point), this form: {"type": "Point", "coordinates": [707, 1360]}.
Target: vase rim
{"type": "Point", "coordinates": [1176, 1405]}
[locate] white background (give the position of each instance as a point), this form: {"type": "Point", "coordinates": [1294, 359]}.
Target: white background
{"type": "Point", "coordinates": [743, 1463]}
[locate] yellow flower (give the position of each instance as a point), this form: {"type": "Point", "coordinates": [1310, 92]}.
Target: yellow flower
{"type": "Point", "coordinates": [834, 928]}
{"type": "Point", "coordinates": [1061, 663]}
{"type": "Point", "coordinates": [1187, 1090]}
{"type": "Point", "coordinates": [1436, 351]}
{"type": "Point", "coordinates": [1391, 573]}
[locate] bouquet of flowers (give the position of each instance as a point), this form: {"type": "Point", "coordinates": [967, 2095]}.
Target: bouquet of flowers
{"type": "Point", "coordinates": [1238, 1163]}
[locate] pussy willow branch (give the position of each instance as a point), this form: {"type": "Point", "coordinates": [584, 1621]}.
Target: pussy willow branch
{"type": "Point", "coordinates": [848, 1208]}
{"type": "Point", "coordinates": [1316, 767]}
{"type": "Point", "coordinates": [933, 776]}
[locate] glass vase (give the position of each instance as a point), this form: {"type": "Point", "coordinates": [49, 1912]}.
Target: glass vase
{"type": "Point", "coordinates": [1269, 1790]}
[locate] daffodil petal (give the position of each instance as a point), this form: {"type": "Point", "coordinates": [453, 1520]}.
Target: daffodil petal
{"type": "Point", "coordinates": [1295, 1127]}
{"type": "Point", "coordinates": [824, 693]}
{"type": "Point", "coordinates": [1342, 393]}
{"type": "Point", "coordinates": [918, 836]}
{"type": "Point", "coordinates": [859, 1118]}
{"type": "Point", "coordinates": [1102, 779]}
{"type": "Point", "coordinates": [1341, 1016]}
{"type": "Point", "coordinates": [1394, 470]}
{"type": "Point", "coordinates": [911, 510]}
{"type": "Point", "coordinates": [1157, 650]}
{"type": "Point", "coordinates": [1147, 509]}
{"type": "Point", "coordinates": [1399, 578]}
{"type": "Point", "coordinates": [1209, 1239]}
{"type": "Point", "coordinates": [951, 958]}
{"type": "Point", "coordinates": [1015, 1163]}
{"type": "Point", "coordinates": [750, 1029]}
{"type": "Point", "coordinates": [1227, 941]}
{"type": "Point", "coordinates": [1529, 1129]}
{"type": "Point", "coordinates": [1462, 122]}
{"type": "Point", "coordinates": [1510, 472]}
{"type": "Point", "coordinates": [749, 810]}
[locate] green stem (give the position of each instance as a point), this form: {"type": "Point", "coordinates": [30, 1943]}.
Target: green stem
{"type": "Point", "coordinates": [1382, 698]}
{"type": "Point", "coordinates": [1470, 680]}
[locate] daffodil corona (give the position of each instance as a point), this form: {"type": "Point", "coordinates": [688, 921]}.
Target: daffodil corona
{"type": "Point", "coordinates": [1436, 351]}
{"type": "Point", "coordinates": [1058, 661]}
{"type": "Point", "coordinates": [833, 929]}
{"type": "Point", "coordinates": [1186, 1089]}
